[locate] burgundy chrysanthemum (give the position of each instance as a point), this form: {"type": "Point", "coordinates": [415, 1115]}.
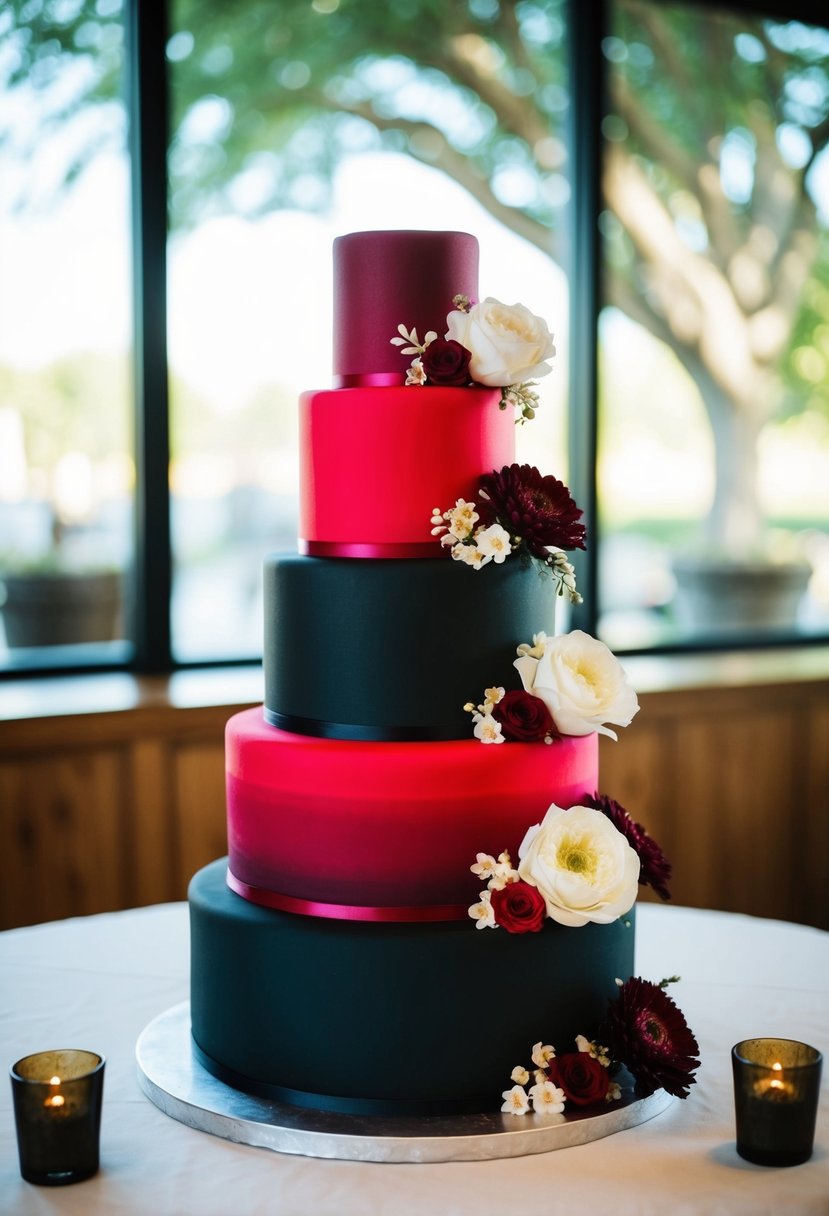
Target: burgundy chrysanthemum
{"type": "Point", "coordinates": [655, 869]}
{"type": "Point", "coordinates": [538, 509]}
{"type": "Point", "coordinates": [648, 1033]}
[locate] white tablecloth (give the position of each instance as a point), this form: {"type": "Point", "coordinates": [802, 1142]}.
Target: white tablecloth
{"type": "Point", "coordinates": [97, 982]}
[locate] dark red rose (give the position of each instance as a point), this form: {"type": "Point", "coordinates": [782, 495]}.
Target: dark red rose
{"type": "Point", "coordinates": [538, 509]}
{"type": "Point", "coordinates": [519, 908]}
{"type": "Point", "coordinates": [584, 1080]}
{"type": "Point", "coordinates": [523, 717]}
{"type": "Point", "coordinates": [445, 361]}
{"type": "Point", "coordinates": [648, 1033]}
{"type": "Point", "coordinates": [655, 869]}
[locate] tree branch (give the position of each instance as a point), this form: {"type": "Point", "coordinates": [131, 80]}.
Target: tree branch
{"type": "Point", "coordinates": [683, 289]}
{"type": "Point", "coordinates": [702, 180]}
{"type": "Point", "coordinates": [456, 165]}
{"type": "Point", "coordinates": [653, 136]}
{"type": "Point", "coordinates": [666, 47]}
{"type": "Point", "coordinates": [509, 27]}
{"type": "Point", "coordinates": [517, 115]}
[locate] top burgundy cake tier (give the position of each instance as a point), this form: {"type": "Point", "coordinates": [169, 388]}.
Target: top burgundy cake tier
{"type": "Point", "coordinates": [385, 279]}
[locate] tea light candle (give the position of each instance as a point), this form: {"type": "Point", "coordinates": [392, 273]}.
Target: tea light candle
{"type": "Point", "coordinates": [776, 1088]}
{"type": "Point", "coordinates": [57, 1109]}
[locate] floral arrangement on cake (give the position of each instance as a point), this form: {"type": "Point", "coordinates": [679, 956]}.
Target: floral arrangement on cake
{"type": "Point", "coordinates": [645, 1032]}
{"type": "Point", "coordinates": [489, 343]}
{"type": "Point", "coordinates": [573, 684]}
{"type": "Point", "coordinates": [581, 864]}
{"type": "Point", "coordinates": [518, 510]}
{"type": "Point", "coordinates": [578, 865]}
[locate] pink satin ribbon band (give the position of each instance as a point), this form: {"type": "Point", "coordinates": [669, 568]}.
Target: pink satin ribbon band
{"type": "Point", "coordinates": [370, 380]}
{"type": "Point", "coordinates": [311, 907]}
{"type": "Point", "coordinates": [343, 548]}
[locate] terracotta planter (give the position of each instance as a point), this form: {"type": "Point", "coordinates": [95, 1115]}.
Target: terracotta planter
{"type": "Point", "coordinates": [61, 609]}
{"type": "Point", "coordinates": [733, 596]}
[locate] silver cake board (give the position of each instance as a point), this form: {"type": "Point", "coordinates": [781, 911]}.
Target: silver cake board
{"type": "Point", "coordinates": [179, 1085]}
{"type": "Point", "coordinates": [174, 1080]}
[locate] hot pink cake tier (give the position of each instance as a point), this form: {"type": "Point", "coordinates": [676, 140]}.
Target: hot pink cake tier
{"type": "Point", "coordinates": [375, 462]}
{"type": "Point", "coordinates": [384, 831]}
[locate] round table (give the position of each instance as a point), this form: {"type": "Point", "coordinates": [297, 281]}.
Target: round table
{"type": "Point", "coordinates": [96, 982]}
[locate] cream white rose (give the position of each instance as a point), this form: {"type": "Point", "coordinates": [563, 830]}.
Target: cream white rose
{"type": "Point", "coordinates": [581, 864]}
{"type": "Point", "coordinates": [581, 682]}
{"type": "Point", "coordinates": [508, 344]}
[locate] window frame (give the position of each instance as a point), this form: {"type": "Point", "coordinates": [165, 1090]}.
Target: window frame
{"type": "Point", "coordinates": [148, 106]}
{"type": "Point", "coordinates": [588, 25]}
{"type": "Point", "coordinates": [146, 29]}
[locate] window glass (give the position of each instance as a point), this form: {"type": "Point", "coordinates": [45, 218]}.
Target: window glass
{"type": "Point", "coordinates": [714, 337]}
{"type": "Point", "coordinates": [294, 123]}
{"type": "Point", "coordinates": [66, 469]}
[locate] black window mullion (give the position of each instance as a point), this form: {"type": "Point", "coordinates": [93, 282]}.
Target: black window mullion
{"type": "Point", "coordinates": [586, 27]}
{"type": "Point", "coordinates": [149, 124]}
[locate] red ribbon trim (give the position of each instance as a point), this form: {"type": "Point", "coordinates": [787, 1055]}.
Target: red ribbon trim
{"type": "Point", "coordinates": [343, 548]}
{"type": "Point", "coordinates": [423, 913]}
{"type": "Point", "coordinates": [370, 380]}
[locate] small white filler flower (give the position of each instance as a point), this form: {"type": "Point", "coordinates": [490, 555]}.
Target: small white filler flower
{"type": "Point", "coordinates": [482, 912]}
{"type": "Point", "coordinates": [516, 1101]}
{"type": "Point", "coordinates": [487, 729]}
{"type": "Point", "coordinates": [547, 1098]}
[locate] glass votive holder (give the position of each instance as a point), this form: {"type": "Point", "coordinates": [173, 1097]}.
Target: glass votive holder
{"type": "Point", "coordinates": [57, 1110]}
{"type": "Point", "coordinates": [776, 1089]}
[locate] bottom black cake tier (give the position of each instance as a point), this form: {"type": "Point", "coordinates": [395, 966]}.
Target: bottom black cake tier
{"type": "Point", "coordinates": [370, 1018]}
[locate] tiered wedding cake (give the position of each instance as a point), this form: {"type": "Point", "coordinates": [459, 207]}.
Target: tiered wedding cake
{"type": "Point", "coordinates": [336, 961]}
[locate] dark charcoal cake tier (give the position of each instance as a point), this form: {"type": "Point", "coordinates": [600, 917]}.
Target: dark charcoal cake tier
{"type": "Point", "coordinates": [393, 649]}
{"type": "Point", "coordinates": [386, 1019]}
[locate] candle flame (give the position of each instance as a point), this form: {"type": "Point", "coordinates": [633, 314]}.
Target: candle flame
{"type": "Point", "coordinates": [54, 1099]}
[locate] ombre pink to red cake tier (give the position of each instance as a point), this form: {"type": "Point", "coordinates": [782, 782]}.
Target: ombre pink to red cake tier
{"type": "Point", "coordinates": [375, 462]}
{"type": "Point", "coordinates": [384, 831]}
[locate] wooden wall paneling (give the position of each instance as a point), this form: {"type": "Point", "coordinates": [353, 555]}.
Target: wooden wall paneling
{"type": "Point", "coordinates": [810, 821]}
{"type": "Point", "coordinates": [61, 852]}
{"type": "Point", "coordinates": [734, 806]}
{"type": "Point", "coordinates": [17, 848]}
{"type": "Point", "coordinates": [200, 814]}
{"type": "Point", "coordinates": [151, 831]}
{"type": "Point", "coordinates": [639, 771]}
